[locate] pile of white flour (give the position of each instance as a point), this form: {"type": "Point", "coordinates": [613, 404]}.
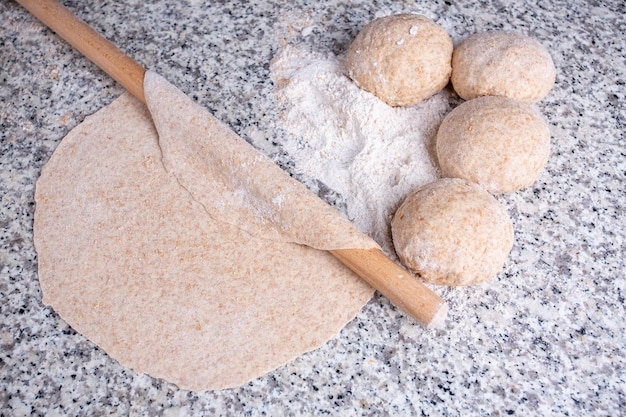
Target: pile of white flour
{"type": "Point", "coordinates": [372, 154]}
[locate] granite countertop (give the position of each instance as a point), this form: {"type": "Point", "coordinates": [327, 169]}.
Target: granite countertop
{"type": "Point", "coordinates": [545, 337]}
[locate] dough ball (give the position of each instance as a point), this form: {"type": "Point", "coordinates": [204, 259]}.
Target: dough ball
{"type": "Point", "coordinates": [498, 63]}
{"type": "Point", "coordinates": [497, 142]}
{"type": "Point", "coordinates": [402, 59]}
{"type": "Point", "coordinates": [452, 232]}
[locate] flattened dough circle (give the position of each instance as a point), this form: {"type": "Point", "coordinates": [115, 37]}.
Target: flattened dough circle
{"type": "Point", "coordinates": [135, 264]}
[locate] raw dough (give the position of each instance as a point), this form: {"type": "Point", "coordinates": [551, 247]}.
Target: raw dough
{"type": "Point", "coordinates": [499, 63]}
{"type": "Point", "coordinates": [452, 232]}
{"type": "Point", "coordinates": [499, 143]}
{"type": "Point", "coordinates": [402, 59]}
{"type": "Point", "coordinates": [187, 275]}
{"type": "Point", "coordinates": [237, 184]}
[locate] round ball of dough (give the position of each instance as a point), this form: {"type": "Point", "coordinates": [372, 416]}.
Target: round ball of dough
{"type": "Point", "coordinates": [402, 59]}
{"type": "Point", "coordinates": [498, 63]}
{"type": "Point", "coordinates": [497, 142]}
{"type": "Point", "coordinates": [452, 232]}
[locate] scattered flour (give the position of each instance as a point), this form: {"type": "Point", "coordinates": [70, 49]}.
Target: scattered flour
{"type": "Point", "coordinates": [372, 154]}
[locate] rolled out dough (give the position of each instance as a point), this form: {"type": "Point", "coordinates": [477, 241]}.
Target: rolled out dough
{"type": "Point", "coordinates": [203, 274]}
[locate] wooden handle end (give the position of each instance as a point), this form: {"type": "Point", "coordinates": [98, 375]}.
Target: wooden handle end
{"type": "Point", "coordinates": [397, 284]}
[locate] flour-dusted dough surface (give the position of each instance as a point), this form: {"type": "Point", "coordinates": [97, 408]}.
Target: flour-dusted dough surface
{"type": "Point", "coordinates": [501, 63]}
{"type": "Point", "coordinates": [402, 59]}
{"type": "Point", "coordinates": [452, 232]}
{"type": "Point", "coordinates": [236, 183]}
{"type": "Point", "coordinates": [499, 143]}
{"type": "Point", "coordinates": [171, 286]}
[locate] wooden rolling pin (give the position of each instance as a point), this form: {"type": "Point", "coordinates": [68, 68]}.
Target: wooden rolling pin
{"type": "Point", "coordinates": [391, 280]}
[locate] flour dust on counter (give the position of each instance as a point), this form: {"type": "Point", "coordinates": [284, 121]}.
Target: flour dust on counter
{"type": "Point", "coordinates": [372, 154]}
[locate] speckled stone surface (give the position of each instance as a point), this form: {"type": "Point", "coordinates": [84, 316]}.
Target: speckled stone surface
{"type": "Point", "coordinates": [546, 337]}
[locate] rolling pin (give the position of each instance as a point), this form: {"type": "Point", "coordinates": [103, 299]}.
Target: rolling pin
{"type": "Point", "coordinates": [372, 265]}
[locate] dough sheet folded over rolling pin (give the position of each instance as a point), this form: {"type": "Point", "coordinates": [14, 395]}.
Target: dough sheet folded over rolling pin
{"type": "Point", "coordinates": [231, 178]}
{"type": "Point", "coordinates": [183, 252]}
